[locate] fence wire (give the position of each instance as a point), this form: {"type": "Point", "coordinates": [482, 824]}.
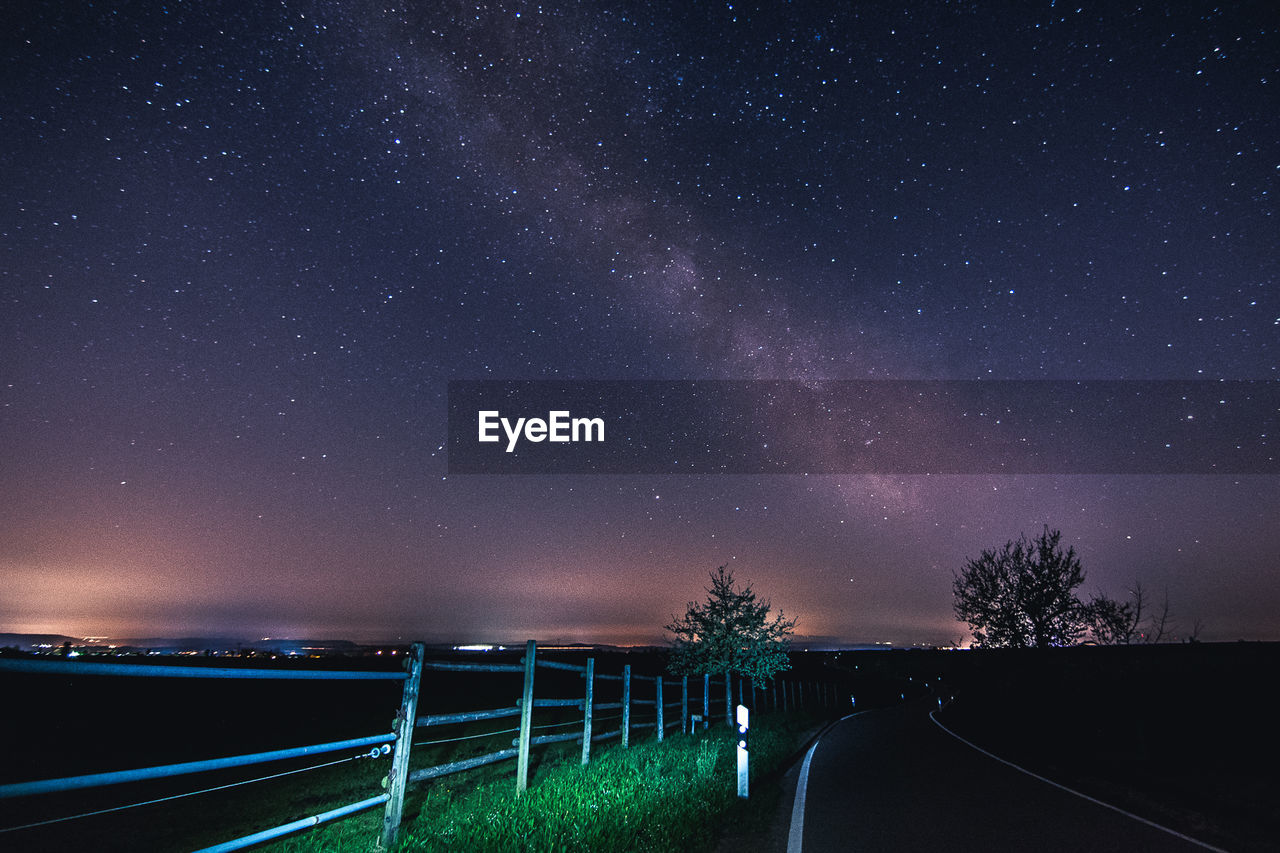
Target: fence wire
{"type": "Point", "coordinates": [596, 718]}
{"type": "Point", "coordinates": [179, 796]}
{"type": "Point", "coordinates": [465, 737]}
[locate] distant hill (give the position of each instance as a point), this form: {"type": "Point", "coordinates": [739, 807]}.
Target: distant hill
{"type": "Point", "coordinates": [27, 642]}
{"type": "Point", "coordinates": [171, 645]}
{"type": "Point", "coordinates": [283, 645]}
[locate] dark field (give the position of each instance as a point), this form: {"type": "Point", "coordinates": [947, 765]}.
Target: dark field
{"type": "Point", "coordinates": [1179, 734]}
{"type": "Point", "coordinates": [57, 726]}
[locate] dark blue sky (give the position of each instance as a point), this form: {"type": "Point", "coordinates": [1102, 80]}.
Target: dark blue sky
{"type": "Point", "coordinates": [245, 246]}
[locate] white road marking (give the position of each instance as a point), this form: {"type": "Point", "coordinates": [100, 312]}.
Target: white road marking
{"type": "Point", "coordinates": [795, 836]}
{"type": "Point", "coordinates": [973, 745]}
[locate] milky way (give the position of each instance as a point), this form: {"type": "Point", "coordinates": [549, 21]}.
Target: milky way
{"type": "Point", "coordinates": [245, 248]}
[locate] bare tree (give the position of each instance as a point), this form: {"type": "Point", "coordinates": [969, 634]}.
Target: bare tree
{"type": "Point", "coordinates": [1111, 623]}
{"type": "Point", "coordinates": [1149, 627]}
{"type": "Point", "coordinates": [1023, 595]}
{"type": "Point", "coordinates": [1144, 625]}
{"type": "Point", "coordinates": [1161, 623]}
{"type": "Point", "coordinates": [1138, 598]}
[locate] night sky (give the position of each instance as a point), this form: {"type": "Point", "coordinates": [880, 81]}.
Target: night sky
{"type": "Point", "coordinates": [245, 246]}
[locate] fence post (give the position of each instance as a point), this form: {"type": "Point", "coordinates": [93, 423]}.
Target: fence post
{"type": "Point", "coordinates": [626, 706]}
{"type": "Point", "coordinates": [684, 704]}
{"type": "Point", "coordinates": [586, 710]}
{"type": "Point", "coordinates": [526, 718]}
{"type": "Point", "coordinates": [658, 682]}
{"type": "Point", "coordinates": [706, 699]}
{"type": "Point", "coordinates": [398, 775]}
{"type": "Point", "coordinates": [728, 699]}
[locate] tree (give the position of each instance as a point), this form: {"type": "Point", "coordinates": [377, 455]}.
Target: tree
{"type": "Point", "coordinates": [1156, 626]}
{"type": "Point", "coordinates": [1023, 595]}
{"type": "Point", "coordinates": [1112, 623]}
{"type": "Point", "coordinates": [731, 632]}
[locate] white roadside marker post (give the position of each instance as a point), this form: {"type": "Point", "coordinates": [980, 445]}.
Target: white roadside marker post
{"type": "Point", "coordinates": [742, 751]}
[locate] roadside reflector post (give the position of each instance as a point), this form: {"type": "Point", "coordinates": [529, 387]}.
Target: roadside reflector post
{"type": "Point", "coordinates": [743, 730]}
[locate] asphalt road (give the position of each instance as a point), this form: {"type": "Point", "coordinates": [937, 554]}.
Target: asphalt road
{"type": "Point", "coordinates": [892, 780]}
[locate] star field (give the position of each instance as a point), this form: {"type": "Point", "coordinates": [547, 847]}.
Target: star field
{"type": "Point", "coordinates": [243, 248]}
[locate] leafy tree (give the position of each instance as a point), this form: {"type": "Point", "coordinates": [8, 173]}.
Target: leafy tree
{"type": "Point", "coordinates": [1023, 595]}
{"type": "Point", "coordinates": [730, 632]}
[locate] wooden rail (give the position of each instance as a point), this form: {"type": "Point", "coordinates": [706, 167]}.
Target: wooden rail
{"type": "Point", "coordinates": [782, 695]}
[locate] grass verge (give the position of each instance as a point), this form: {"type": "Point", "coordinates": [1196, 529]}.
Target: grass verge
{"type": "Point", "coordinates": [671, 796]}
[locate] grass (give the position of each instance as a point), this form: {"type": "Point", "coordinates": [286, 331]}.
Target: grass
{"type": "Point", "coordinates": [669, 796]}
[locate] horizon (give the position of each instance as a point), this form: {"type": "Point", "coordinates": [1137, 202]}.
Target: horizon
{"type": "Point", "coordinates": [370, 640]}
{"type": "Point", "coordinates": [490, 644]}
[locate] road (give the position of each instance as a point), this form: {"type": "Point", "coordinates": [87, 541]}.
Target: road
{"type": "Point", "coordinates": [892, 780]}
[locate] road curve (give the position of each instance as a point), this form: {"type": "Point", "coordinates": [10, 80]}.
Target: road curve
{"type": "Point", "coordinates": [892, 780]}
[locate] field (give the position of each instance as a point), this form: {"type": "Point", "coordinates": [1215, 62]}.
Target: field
{"type": "Point", "coordinates": [1179, 734]}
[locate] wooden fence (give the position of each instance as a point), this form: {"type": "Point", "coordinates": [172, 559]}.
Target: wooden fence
{"type": "Point", "coordinates": [781, 695]}
{"type": "Point", "coordinates": [635, 692]}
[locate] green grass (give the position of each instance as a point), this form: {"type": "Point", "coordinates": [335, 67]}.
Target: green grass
{"type": "Point", "coordinates": [670, 796]}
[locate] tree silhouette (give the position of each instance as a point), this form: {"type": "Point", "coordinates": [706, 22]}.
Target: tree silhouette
{"type": "Point", "coordinates": [1112, 623]}
{"type": "Point", "coordinates": [1023, 595]}
{"type": "Point", "coordinates": [730, 632]}
{"type": "Point", "coordinates": [1115, 623]}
